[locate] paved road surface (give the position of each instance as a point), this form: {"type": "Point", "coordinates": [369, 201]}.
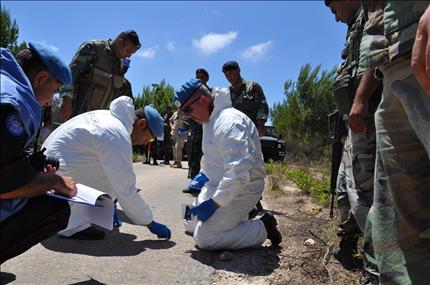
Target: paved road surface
{"type": "Point", "coordinates": [131, 255]}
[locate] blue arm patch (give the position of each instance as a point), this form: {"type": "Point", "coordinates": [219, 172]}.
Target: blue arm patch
{"type": "Point", "coordinates": [14, 125]}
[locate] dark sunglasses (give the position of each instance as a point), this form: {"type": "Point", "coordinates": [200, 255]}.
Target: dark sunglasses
{"type": "Point", "coordinates": [188, 110]}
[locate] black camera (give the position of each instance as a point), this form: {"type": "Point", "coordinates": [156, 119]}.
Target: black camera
{"type": "Point", "coordinates": [40, 161]}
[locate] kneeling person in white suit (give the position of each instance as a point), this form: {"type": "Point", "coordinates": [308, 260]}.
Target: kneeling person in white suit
{"type": "Point", "coordinates": [233, 164]}
{"type": "Point", "coordinates": [95, 148]}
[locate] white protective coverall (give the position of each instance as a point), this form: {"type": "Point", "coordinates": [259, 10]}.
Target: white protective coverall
{"type": "Point", "coordinates": [234, 164]}
{"type": "Point", "coordinates": [95, 149]}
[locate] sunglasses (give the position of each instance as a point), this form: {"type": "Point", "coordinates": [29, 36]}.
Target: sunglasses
{"type": "Point", "coordinates": [188, 110]}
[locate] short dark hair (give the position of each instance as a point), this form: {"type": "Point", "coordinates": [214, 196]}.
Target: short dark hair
{"type": "Point", "coordinates": [140, 113]}
{"type": "Point", "coordinates": [202, 70]}
{"type": "Point", "coordinates": [30, 62]}
{"type": "Point", "coordinates": [131, 36]}
{"type": "Point", "coordinates": [327, 2]}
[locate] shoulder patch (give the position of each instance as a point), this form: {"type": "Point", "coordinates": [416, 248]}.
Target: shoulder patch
{"type": "Point", "coordinates": [14, 125]}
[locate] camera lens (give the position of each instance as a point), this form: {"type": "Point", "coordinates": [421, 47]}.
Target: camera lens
{"type": "Point", "coordinates": [52, 161]}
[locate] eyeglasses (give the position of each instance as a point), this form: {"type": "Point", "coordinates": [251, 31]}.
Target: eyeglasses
{"type": "Point", "coordinates": [188, 110]}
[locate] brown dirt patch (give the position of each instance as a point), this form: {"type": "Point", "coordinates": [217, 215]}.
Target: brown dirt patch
{"type": "Point", "coordinates": [298, 263]}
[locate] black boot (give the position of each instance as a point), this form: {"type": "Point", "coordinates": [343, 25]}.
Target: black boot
{"type": "Point", "coordinates": [345, 251]}
{"type": "Point", "coordinates": [270, 224]}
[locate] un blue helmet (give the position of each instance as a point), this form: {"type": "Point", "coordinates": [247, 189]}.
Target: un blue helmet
{"type": "Point", "coordinates": [56, 66]}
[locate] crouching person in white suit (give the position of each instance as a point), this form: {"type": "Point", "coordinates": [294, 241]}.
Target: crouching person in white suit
{"type": "Point", "coordinates": [95, 148]}
{"type": "Point", "coordinates": [232, 167]}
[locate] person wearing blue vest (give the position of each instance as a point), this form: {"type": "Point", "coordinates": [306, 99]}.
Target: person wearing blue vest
{"type": "Point", "coordinates": [27, 216]}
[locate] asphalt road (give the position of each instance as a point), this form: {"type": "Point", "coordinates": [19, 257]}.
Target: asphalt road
{"type": "Point", "coordinates": [130, 255]}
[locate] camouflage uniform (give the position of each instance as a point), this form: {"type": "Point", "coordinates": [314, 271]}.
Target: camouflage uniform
{"type": "Point", "coordinates": [250, 99]}
{"type": "Point", "coordinates": [354, 189]}
{"type": "Point", "coordinates": [124, 90]}
{"type": "Point", "coordinates": [97, 76]}
{"type": "Point", "coordinates": [399, 219]}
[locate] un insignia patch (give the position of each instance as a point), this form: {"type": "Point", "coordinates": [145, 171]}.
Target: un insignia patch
{"type": "Point", "coordinates": [14, 125]}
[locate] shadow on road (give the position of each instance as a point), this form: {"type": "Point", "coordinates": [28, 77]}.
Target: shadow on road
{"type": "Point", "coordinates": [6, 278]}
{"type": "Point", "coordinates": [261, 261]}
{"type": "Point", "coordinates": [114, 244]}
{"type": "Point", "coordinates": [89, 282]}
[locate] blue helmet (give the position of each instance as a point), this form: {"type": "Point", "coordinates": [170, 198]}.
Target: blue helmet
{"type": "Point", "coordinates": [56, 66]}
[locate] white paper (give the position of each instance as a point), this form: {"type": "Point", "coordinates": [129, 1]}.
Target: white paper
{"type": "Point", "coordinates": [89, 206]}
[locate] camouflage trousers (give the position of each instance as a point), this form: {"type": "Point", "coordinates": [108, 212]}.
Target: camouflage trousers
{"type": "Point", "coordinates": [398, 223]}
{"type": "Point", "coordinates": [354, 189]}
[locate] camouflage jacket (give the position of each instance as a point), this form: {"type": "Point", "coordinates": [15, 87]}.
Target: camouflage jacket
{"type": "Point", "coordinates": [97, 76]}
{"type": "Point", "coordinates": [349, 75]}
{"type": "Point", "coordinates": [250, 99]}
{"type": "Point", "coordinates": [389, 31]}
{"type": "Point", "coordinates": [347, 78]}
{"type": "Point", "coordinates": [125, 90]}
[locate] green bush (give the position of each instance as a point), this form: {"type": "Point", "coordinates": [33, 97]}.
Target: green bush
{"type": "Point", "coordinates": [304, 179]}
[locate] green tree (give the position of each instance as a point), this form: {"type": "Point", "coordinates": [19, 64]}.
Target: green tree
{"type": "Point", "coordinates": [158, 96]}
{"type": "Point", "coordinates": [9, 33]}
{"type": "Point", "coordinates": [301, 119]}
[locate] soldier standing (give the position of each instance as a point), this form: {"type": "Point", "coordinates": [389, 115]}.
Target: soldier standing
{"type": "Point", "coordinates": [247, 96]}
{"type": "Point", "coordinates": [399, 218]}
{"type": "Point", "coordinates": [357, 97]}
{"type": "Point", "coordinates": [97, 74]}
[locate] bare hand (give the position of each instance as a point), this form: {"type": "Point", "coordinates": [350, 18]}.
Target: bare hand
{"type": "Point", "coordinates": [420, 61]}
{"type": "Point", "coordinates": [356, 118]}
{"type": "Point", "coordinates": [66, 185]}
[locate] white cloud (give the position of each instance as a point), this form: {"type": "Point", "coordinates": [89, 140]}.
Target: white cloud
{"type": "Point", "coordinates": [170, 46]}
{"type": "Point", "coordinates": [146, 53]}
{"type": "Point", "coordinates": [51, 46]}
{"type": "Point", "coordinates": [257, 51]}
{"type": "Point", "coordinates": [211, 43]}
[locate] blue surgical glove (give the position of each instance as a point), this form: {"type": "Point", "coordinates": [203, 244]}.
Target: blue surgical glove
{"type": "Point", "coordinates": [181, 132]}
{"type": "Point", "coordinates": [205, 210]}
{"type": "Point", "coordinates": [160, 230]}
{"type": "Point", "coordinates": [116, 220]}
{"type": "Point", "coordinates": [198, 181]}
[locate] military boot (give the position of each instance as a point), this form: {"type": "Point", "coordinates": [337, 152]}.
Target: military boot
{"type": "Point", "coordinates": [345, 251]}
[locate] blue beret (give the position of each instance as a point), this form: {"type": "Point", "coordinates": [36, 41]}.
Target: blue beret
{"type": "Point", "coordinates": [126, 62]}
{"type": "Point", "coordinates": [230, 65]}
{"type": "Point", "coordinates": [185, 92]}
{"type": "Point", "coordinates": [53, 62]}
{"type": "Point", "coordinates": [155, 121]}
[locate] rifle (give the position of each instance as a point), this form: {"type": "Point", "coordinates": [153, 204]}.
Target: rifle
{"type": "Point", "coordinates": [336, 130]}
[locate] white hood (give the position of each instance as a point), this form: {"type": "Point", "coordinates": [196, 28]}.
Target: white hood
{"type": "Point", "coordinates": [122, 108]}
{"type": "Point", "coordinates": [222, 100]}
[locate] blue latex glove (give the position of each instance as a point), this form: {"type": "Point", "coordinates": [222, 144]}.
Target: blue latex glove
{"type": "Point", "coordinates": [205, 210]}
{"type": "Point", "coordinates": [181, 132]}
{"type": "Point", "coordinates": [160, 230]}
{"type": "Point", "coordinates": [198, 181]}
{"type": "Point", "coordinates": [116, 220]}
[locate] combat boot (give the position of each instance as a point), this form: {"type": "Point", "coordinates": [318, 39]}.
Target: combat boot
{"type": "Point", "coordinates": [345, 251]}
{"type": "Point", "coordinates": [270, 224]}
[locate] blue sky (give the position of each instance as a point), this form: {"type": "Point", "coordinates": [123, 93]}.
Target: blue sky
{"type": "Point", "coordinates": [270, 40]}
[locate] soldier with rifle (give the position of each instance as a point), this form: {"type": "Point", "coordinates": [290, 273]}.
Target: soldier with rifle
{"type": "Point", "coordinates": [357, 97]}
